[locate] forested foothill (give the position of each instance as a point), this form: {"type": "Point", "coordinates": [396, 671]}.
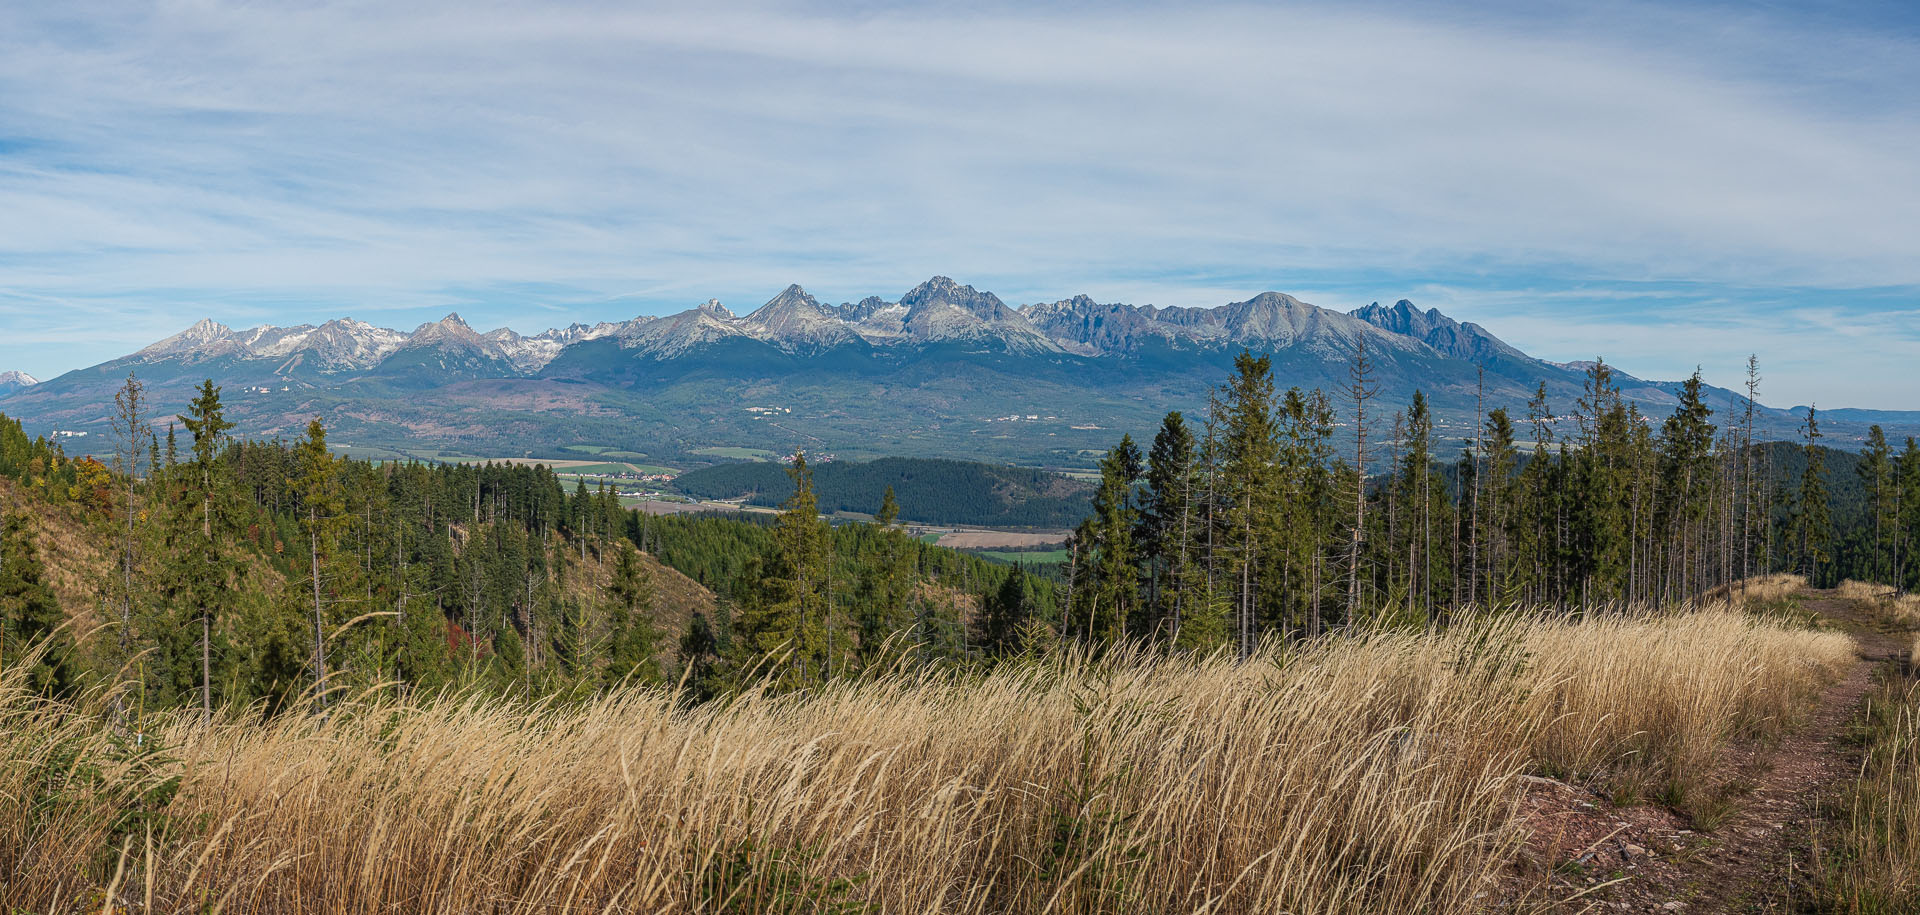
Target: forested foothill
{"type": "Point", "coordinates": [208, 571]}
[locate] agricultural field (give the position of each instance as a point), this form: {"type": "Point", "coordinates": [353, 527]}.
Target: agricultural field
{"type": "Point", "coordinates": [734, 453]}
{"type": "Point", "coordinates": [986, 540]}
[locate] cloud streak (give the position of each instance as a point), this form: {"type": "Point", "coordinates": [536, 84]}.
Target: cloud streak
{"type": "Point", "coordinates": [267, 163]}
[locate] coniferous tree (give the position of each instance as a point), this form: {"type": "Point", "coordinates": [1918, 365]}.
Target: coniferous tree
{"type": "Point", "coordinates": [1503, 491]}
{"type": "Point", "coordinates": [786, 612]}
{"type": "Point", "coordinates": [1249, 458]}
{"type": "Point", "coordinates": [1876, 472]}
{"type": "Point", "coordinates": [1007, 615]}
{"type": "Point", "coordinates": [1686, 442]}
{"type": "Point", "coordinates": [1167, 526]}
{"type": "Point", "coordinates": [1360, 389]}
{"type": "Point", "coordinates": [206, 561]}
{"type": "Point", "coordinates": [1812, 516]}
{"type": "Point", "coordinates": [1107, 603]}
{"type": "Point", "coordinates": [131, 436]}
{"type": "Point", "coordinates": [631, 634]}
{"type": "Point", "coordinates": [1906, 535]}
{"type": "Point", "coordinates": [30, 615]}
{"type": "Point", "coordinates": [322, 507]}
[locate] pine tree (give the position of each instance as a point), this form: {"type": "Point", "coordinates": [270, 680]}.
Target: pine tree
{"type": "Point", "coordinates": [786, 612]}
{"type": "Point", "coordinates": [131, 436]}
{"type": "Point", "coordinates": [1250, 454]}
{"type": "Point", "coordinates": [1167, 526]}
{"type": "Point", "coordinates": [1812, 518]}
{"type": "Point", "coordinates": [1108, 601]}
{"type": "Point", "coordinates": [631, 633]}
{"type": "Point", "coordinates": [30, 616]}
{"type": "Point", "coordinates": [1876, 471]}
{"type": "Point", "coordinates": [1007, 613]}
{"type": "Point", "coordinates": [1424, 496]}
{"type": "Point", "coordinates": [1360, 389]}
{"type": "Point", "coordinates": [205, 565]}
{"type": "Point", "coordinates": [1503, 494]}
{"type": "Point", "coordinates": [1686, 442]}
{"type": "Point", "coordinates": [1906, 535]}
{"type": "Point", "coordinates": [322, 508]}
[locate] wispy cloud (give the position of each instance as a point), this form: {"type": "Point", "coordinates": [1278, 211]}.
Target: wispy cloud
{"type": "Point", "coordinates": [286, 163]}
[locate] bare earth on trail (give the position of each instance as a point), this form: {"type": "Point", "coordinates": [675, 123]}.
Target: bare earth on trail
{"type": "Point", "coordinates": [1648, 858]}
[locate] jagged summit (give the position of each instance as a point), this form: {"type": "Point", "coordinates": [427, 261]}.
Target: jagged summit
{"type": "Point", "coordinates": [203, 332]}
{"type": "Point", "coordinates": [1445, 335]}
{"type": "Point", "coordinates": [941, 310]}
{"type": "Point", "coordinates": [796, 320]}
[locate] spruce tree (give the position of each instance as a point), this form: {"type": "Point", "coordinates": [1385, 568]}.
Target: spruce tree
{"type": "Point", "coordinates": [1876, 473]}
{"type": "Point", "coordinates": [30, 616]}
{"type": "Point", "coordinates": [1812, 515]}
{"type": "Point", "coordinates": [321, 510]}
{"type": "Point", "coordinates": [1167, 526]}
{"type": "Point", "coordinates": [205, 564]}
{"type": "Point", "coordinates": [631, 634]}
{"type": "Point", "coordinates": [1108, 601]}
{"type": "Point", "coordinates": [1250, 456]}
{"type": "Point", "coordinates": [785, 615]}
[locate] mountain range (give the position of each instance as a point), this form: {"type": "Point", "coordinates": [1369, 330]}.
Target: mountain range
{"type": "Point", "coordinates": [946, 370]}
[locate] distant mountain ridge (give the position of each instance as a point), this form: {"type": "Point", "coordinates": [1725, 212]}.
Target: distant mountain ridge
{"type": "Point", "coordinates": [946, 370]}
{"type": "Point", "coordinates": [939, 311]}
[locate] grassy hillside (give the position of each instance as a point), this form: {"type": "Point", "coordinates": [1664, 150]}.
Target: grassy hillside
{"type": "Point", "coordinates": [1379, 774]}
{"type": "Point", "coordinates": [929, 490]}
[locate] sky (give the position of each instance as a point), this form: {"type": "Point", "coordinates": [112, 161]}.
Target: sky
{"type": "Point", "coordinates": [1668, 186]}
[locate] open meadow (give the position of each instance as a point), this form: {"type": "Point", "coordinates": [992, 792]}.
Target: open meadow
{"type": "Point", "coordinates": [1380, 772]}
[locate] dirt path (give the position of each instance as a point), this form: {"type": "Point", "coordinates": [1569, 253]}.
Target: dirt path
{"type": "Point", "coordinates": [1754, 857]}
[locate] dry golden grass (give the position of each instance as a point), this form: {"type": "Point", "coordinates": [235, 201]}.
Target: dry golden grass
{"type": "Point", "coordinates": [1903, 608]}
{"type": "Point", "coordinates": [1372, 774]}
{"type": "Point", "coordinates": [1761, 589]}
{"type": "Point", "coordinates": [1868, 859]}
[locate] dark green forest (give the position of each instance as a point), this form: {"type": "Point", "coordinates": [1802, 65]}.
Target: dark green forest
{"type": "Point", "coordinates": [929, 490]}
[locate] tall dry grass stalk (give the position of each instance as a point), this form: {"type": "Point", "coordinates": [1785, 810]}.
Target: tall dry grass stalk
{"type": "Point", "coordinates": [1868, 860]}
{"type": "Point", "coordinates": [1903, 608]}
{"type": "Point", "coordinates": [1376, 773]}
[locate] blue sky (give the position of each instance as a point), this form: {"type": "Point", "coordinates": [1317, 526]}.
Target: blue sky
{"type": "Point", "coordinates": [1665, 185]}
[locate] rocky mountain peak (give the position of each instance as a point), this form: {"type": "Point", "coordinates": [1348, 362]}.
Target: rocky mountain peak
{"type": "Point", "coordinates": [942, 290]}
{"type": "Point", "coordinates": [712, 307]}
{"type": "Point", "coordinates": [1444, 334]}
{"type": "Point", "coordinates": [13, 381]}
{"type": "Point", "coordinates": [795, 319]}
{"type": "Point", "coordinates": [203, 332]}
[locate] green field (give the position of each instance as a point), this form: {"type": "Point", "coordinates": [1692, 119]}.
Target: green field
{"type": "Point", "coordinates": [579, 468]}
{"type": "Point", "coordinates": [738, 454]}
{"type": "Point", "coordinates": [1030, 558]}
